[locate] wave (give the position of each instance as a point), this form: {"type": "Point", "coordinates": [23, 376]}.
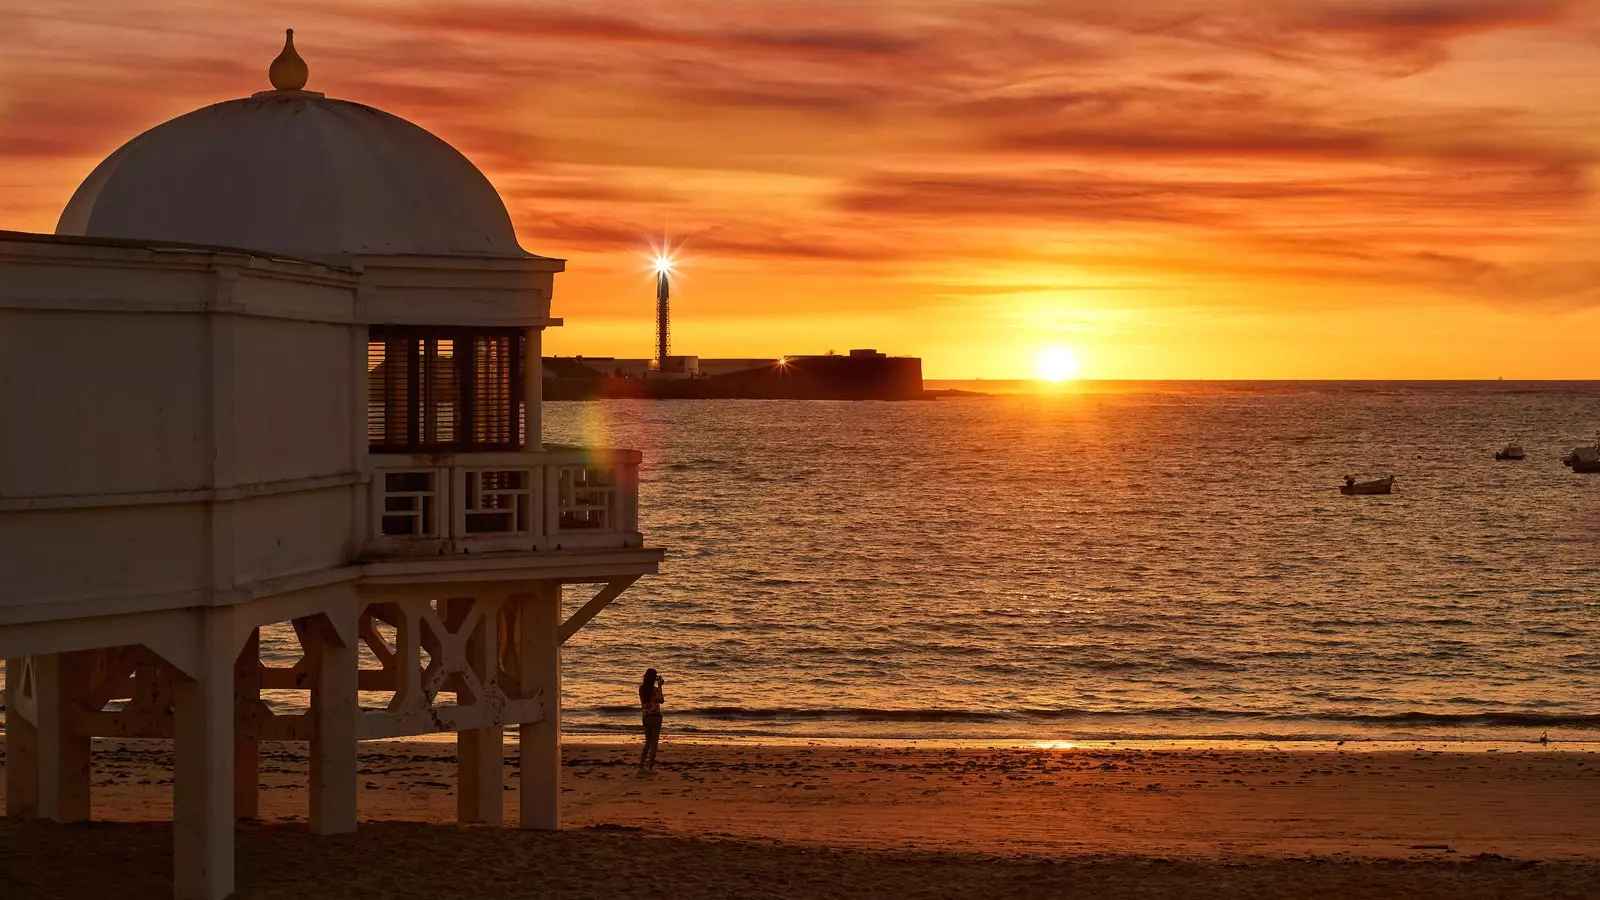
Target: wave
{"type": "Point", "coordinates": [1489, 719]}
{"type": "Point", "coordinates": [1107, 736]}
{"type": "Point", "coordinates": [1500, 719]}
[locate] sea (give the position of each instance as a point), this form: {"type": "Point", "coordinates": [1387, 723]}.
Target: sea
{"type": "Point", "coordinates": [1145, 561]}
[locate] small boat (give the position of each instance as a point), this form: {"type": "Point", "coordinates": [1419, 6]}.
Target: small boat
{"type": "Point", "coordinates": [1512, 451]}
{"type": "Point", "coordinates": [1353, 487]}
{"type": "Point", "coordinates": [1584, 459]}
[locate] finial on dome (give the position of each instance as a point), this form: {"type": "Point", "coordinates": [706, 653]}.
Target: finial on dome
{"type": "Point", "coordinates": [288, 72]}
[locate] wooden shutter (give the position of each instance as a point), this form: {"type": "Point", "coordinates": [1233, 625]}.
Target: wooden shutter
{"type": "Point", "coordinates": [443, 390]}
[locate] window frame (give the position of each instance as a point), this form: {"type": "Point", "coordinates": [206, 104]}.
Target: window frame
{"type": "Point", "coordinates": [471, 404]}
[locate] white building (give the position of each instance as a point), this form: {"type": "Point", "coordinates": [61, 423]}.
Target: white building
{"type": "Point", "coordinates": [280, 363]}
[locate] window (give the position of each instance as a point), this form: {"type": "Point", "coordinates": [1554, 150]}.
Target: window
{"type": "Point", "coordinates": [443, 390]}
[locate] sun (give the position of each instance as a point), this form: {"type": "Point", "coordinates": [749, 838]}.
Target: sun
{"type": "Point", "coordinates": [1057, 364]}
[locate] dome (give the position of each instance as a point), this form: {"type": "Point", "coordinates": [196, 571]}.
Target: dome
{"type": "Point", "coordinates": [295, 173]}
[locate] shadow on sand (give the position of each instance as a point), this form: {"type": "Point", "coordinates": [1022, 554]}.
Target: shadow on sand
{"type": "Point", "coordinates": [124, 861]}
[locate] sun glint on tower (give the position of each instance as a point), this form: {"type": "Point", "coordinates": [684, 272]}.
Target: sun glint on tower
{"type": "Point", "coordinates": [663, 319]}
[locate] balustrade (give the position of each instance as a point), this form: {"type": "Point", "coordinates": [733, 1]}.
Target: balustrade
{"type": "Point", "coordinates": [564, 498]}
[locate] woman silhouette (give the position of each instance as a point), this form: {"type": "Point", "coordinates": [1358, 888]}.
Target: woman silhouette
{"type": "Point", "coordinates": [650, 700]}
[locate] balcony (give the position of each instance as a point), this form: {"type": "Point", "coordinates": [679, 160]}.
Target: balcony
{"type": "Point", "coordinates": [561, 498]}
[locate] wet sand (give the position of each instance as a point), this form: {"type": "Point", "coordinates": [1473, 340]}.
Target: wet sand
{"type": "Point", "coordinates": [743, 820]}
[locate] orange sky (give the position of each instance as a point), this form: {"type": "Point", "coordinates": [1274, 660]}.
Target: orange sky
{"type": "Point", "coordinates": [1173, 188]}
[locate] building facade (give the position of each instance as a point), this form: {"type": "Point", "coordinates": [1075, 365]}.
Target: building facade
{"type": "Point", "coordinates": [280, 364]}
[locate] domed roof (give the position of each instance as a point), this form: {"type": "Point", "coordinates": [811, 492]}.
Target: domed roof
{"type": "Point", "coordinates": [296, 173]}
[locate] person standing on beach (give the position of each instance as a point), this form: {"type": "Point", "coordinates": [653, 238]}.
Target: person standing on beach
{"type": "Point", "coordinates": [650, 700]}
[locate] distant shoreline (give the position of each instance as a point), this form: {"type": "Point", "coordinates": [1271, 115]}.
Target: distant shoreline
{"type": "Point", "coordinates": [1090, 386]}
{"type": "Point", "coordinates": [1003, 385]}
{"type": "Point", "coordinates": [952, 388]}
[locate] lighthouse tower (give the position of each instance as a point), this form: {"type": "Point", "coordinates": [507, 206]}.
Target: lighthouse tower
{"type": "Point", "coordinates": [663, 314]}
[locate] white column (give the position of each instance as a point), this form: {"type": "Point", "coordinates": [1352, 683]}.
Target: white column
{"type": "Point", "coordinates": [22, 750]}
{"type": "Point", "coordinates": [247, 750]}
{"type": "Point", "coordinates": [533, 386]}
{"type": "Point", "coordinates": [202, 778]}
{"type": "Point", "coordinates": [539, 743]}
{"type": "Point", "coordinates": [334, 707]}
{"type": "Point", "coordinates": [480, 775]}
{"type": "Point", "coordinates": [361, 495]}
{"type": "Point", "coordinates": [628, 492]}
{"type": "Point", "coordinates": [62, 759]}
{"type": "Point", "coordinates": [480, 766]}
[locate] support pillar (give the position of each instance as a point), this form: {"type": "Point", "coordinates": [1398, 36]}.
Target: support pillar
{"type": "Point", "coordinates": [22, 749]}
{"type": "Point", "coordinates": [334, 706]}
{"type": "Point", "coordinates": [533, 388]}
{"type": "Point", "coordinates": [480, 775]}
{"type": "Point", "coordinates": [480, 768]}
{"type": "Point", "coordinates": [202, 778]}
{"type": "Point", "coordinates": [539, 743]}
{"type": "Point", "coordinates": [247, 750]}
{"type": "Point", "coordinates": [62, 761]}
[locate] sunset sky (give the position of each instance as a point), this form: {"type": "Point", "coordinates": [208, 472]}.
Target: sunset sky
{"type": "Point", "coordinates": [1172, 188]}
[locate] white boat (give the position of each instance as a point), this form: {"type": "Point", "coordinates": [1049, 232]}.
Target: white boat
{"type": "Point", "coordinates": [1354, 487]}
{"type": "Point", "coordinates": [1511, 451]}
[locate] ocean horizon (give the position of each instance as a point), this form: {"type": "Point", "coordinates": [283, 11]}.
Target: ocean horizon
{"type": "Point", "coordinates": [1135, 385]}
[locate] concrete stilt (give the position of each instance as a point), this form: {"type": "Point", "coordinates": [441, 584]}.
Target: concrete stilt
{"type": "Point", "coordinates": [480, 754]}
{"type": "Point", "coordinates": [539, 743]}
{"type": "Point", "coordinates": [22, 750]}
{"type": "Point", "coordinates": [61, 679]}
{"type": "Point", "coordinates": [247, 751]}
{"type": "Point", "coordinates": [480, 775]}
{"type": "Point", "coordinates": [203, 748]}
{"type": "Point", "coordinates": [333, 737]}
{"type": "Point", "coordinates": [247, 779]}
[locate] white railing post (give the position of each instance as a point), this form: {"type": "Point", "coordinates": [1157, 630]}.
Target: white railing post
{"type": "Point", "coordinates": [552, 506]}
{"type": "Point", "coordinates": [538, 528]}
{"type": "Point", "coordinates": [456, 501]}
{"type": "Point", "coordinates": [618, 477]}
{"type": "Point", "coordinates": [629, 491]}
{"type": "Point", "coordinates": [379, 496]}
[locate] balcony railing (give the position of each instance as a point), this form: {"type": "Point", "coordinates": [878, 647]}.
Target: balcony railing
{"type": "Point", "coordinates": [563, 498]}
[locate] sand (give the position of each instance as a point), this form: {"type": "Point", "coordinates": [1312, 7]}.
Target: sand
{"type": "Point", "coordinates": [794, 821]}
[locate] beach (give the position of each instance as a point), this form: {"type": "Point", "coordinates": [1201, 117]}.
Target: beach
{"type": "Point", "coordinates": [835, 820]}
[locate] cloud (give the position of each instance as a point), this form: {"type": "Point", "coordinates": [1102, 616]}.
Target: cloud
{"type": "Point", "coordinates": [1238, 138]}
{"type": "Point", "coordinates": [1392, 36]}
{"type": "Point", "coordinates": [1242, 118]}
{"type": "Point", "coordinates": [1454, 198]}
{"type": "Point", "coordinates": [748, 240]}
{"type": "Point", "coordinates": [721, 30]}
{"type": "Point", "coordinates": [1435, 19]}
{"type": "Point", "coordinates": [1485, 232]}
